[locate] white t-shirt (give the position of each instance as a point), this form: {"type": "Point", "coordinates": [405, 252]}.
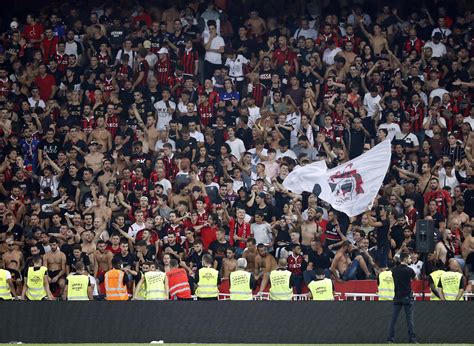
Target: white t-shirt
{"type": "Point", "coordinates": [290, 153]}
{"type": "Point", "coordinates": [166, 185]}
{"type": "Point", "coordinates": [135, 228]}
{"type": "Point", "coordinates": [237, 147]}
{"type": "Point", "coordinates": [254, 115]}
{"type": "Point", "coordinates": [410, 138]}
{"type": "Point", "coordinates": [372, 104]}
{"type": "Point", "coordinates": [212, 57]}
{"type": "Point", "coordinates": [438, 49]}
{"type": "Point", "coordinates": [198, 136]}
{"type": "Point", "coordinates": [131, 53]}
{"type": "Point", "coordinates": [164, 117]}
{"type": "Point", "coordinates": [392, 129]}
{"type": "Point", "coordinates": [236, 67]}
{"type": "Point", "coordinates": [329, 55]}
{"type": "Point", "coordinates": [262, 233]}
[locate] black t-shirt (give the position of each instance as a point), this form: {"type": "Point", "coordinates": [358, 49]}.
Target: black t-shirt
{"type": "Point", "coordinates": [71, 260]}
{"type": "Point", "coordinates": [320, 261]}
{"type": "Point", "coordinates": [176, 248]}
{"type": "Point", "coordinates": [219, 251]}
{"type": "Point", "coordinates": [402, 276]}
{"type": "Point", "coordinates": [51, 149]}
{"type": "Point", "coordinates": [128, 260]}
{"type": "Point", "coordinates": [382, 232]}
{"type": "Point", "coordinates": [187, 146]}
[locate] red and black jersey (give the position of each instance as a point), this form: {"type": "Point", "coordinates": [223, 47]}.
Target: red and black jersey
{"type": "Point", "coordinates": [449, 120]}
{"type": "Point", "coordinates": [338, 123]}
{"type": "Point", "coordinates": [111, 123]}
{"type": "Point", "coordinates": [188, 60]}
{"type": "Point", "coordinates": [124, 72]}
{"type": "Point", "coordinates": [442, 199]}
{"type": "Point", "coordinates": [62, 60]}
{"type": "Point", "coordinates": [175, 80]}
{"type": "Point", "coordinates": [87, 125]}
{"type": "Point", "coordinates": [328, 132]}
{"type": "Point", "coordinates": [259, 91]}
{"type": "Point", "coordinates": [126, 187]}
{"type": "Point", "coordinates": [295, 263]}
{"type": "Point", "coordinates": [163, 71]}
{"type": "Point", "coordinates": [416, 115]}
{"type": "Point", "coordinates": [108, 85]}
{"type": "Point", "coordinates": [416, 44]}
{"type": "Point", "coordinates": [103, 59]}
{"type": "Point", "coordinates": [206, 114]}
{"type": "Point", "coordinates": [322, 40]}
{"type": "Point", "coordinates": [355, 42]}
{"type": "Point", "coordinates": [143, 67]}
{"type": "Point", "coordinates": [143, 182]}
{"type": "Point", "coordinates": [212, 95]}
{"type": "Point", "coordinates": [177, 230]}
{"type": "Point", "coordinates": [171, 168]}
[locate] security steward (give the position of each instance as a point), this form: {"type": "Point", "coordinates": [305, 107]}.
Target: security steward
{"type": "Point", "coordinates": [7, 289]}
{"type": "Point", "coordinates": [451, 286]}
{"type": "Point", "coordinates": [78, 285]}
{"type": "Point", "coordinates": [435, 279]}
{"type": "Point", "coordinates": [140, 292]}
{"type": "Point", "coordinates": [321, 288]}
{"type": "Point", "coordinates": [281, 282]}
{"type": "Point", "coordinates": [207, 280]}
{"type": "Point", "coordinates": [178, 282]}
{"type": "Point", "coordinates": [37, 283]}
{"type": "Point", "coordinates": [116, 281]}
{"type": "Point", "coordinates": [242, 283]}
{"type": "Point", "coordinates": [155, 283]}
{"type": "Point", "coordinates": [386, 285]}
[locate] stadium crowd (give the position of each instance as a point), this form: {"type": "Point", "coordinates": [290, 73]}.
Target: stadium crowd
{"type": "Point", "coordinates": [158, 135]}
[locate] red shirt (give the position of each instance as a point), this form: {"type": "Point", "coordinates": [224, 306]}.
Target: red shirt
{"type": "Point", "coordinates": [281, 55]}
{"type": "Point", "coordinates": [442, 198]}
{"type": "Point", "coordinates": [49, 48]}
{"type": "Point", "coordinates": [242, 230]}
{"type": "Point", "coordinates": [45, 85]}
{"type": "Point", "coordinates": [295, 263]}
{"type": "Point", "coordinates": [163, 71]}
{"type": "Point", "coordinates": [208, 235]}
{"type": "Point", "coordinates": [33, 32]}
{"type": "Point", "coordinates": [111, 122]}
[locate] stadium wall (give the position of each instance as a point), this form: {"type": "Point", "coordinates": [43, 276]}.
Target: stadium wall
{"type": "Point", "coordinates": [231, 322]}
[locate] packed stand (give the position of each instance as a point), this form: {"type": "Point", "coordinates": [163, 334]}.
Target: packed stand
{"type": "Point", "coordinates": [143, 137]}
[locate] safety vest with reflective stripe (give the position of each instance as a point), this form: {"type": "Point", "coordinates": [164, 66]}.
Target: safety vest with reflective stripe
{"type": "Point", "coordinates": [35, 283]}
{"type": "Point", "coordinates": [207, 285]}
{"type": "Point", "coordinates": [450, 282]}
{"type": "Point", "coordinates": [386, 286]}
{"type": "Point", "coordinates": [178, 284]}
{"type": "Point", "coordinates": [321, 289]}
{"type": "Point", "coordinates": [77, 286]}
{"type": "Point", "coordinates": [114, 287]}
{"type": "Point", "coordinates": [5, 292]}
{"type": "Point", "coordinates": [240, 285]}
{"type": "Point", "coordinates": [141, 294]}
{"type": "Point", "coordinates": [436, 277]}
{"type": "Point", "coordinates": [280, 285]}
{"type": "Point", "coordinates": [155, 285]}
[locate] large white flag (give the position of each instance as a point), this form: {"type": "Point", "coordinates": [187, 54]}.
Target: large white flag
{"type": "Point", "coordinates": [352, 186]}
{"type": "Point", "coordinates": [302, 178]}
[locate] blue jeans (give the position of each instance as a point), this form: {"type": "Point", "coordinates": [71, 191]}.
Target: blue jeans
{"type": "Point", "coordinates": [407, 304]}
{"type": "Point", "coordinates": [309, 275]}
{"type": "Point", "coordinates": [351, 272]}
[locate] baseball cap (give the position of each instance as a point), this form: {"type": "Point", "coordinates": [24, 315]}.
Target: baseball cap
{"type": "Point", "coordinates": [147, 44]}
{"type": "Point", "coordinates": [261, 194]}
{"type": "Point", "coordinates": [163, 50]}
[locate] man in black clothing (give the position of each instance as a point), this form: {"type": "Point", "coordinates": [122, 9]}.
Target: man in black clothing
{"type": "Point", "coordinates": [402, 276]}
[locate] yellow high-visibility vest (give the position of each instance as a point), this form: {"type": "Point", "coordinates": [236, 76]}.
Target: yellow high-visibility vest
{"type": "Point", "coordinates": [450, 282]}
{"type": "Point", "coordinates": [321, 289]}
{"type": "Point", "coordinates": [386, 286]}
{"type": "Point", "coordinates": [240, 285]}
{"type": "Point", "coordinates": [280, 285]}
{"type": "Point", "coordinates": [141, 294]}
{"type": "Point", "coordinates": [436, 277]}
{"type": "Point", "coordinates": [77, 285]}
{"type": "Point", "coordinates": [35, 283]}
{"type": "Point", "coordinates": [155, 285]}
{"type": "Point", "coordinates": [5, 292]}
{"type": "Point", "coordinates": [207, 285]}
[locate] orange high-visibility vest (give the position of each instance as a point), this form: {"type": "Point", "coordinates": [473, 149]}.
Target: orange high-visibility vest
{"type": "Point", "coordinates": [178, 284]}
{"type": "Point", "coordinates": [114, 287]}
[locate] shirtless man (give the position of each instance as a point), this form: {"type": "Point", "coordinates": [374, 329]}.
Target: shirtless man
{"type": "Point", "coordinates": [250, 253]}
{"type": "Point", "coordinates": [229, 264]}
{"type": "Point", "coordinates": [423, 178]}
{"type": "Point", "coordinates": [99, 207]}
{"type": "Point", "coordinates": [183, 196]}
{"type": "Point", "coordinates": [151, 133]}
{"type": "Point", "coordinates": [310, 230]}
{"type": "Point", "coordinates": [458, 214]}
{"type": "Point", "coordinates": [101, 135]}
{"type": "Point", "coordinates": [107, 174]}
{"type": "Point", "coordinates": [377, 41]}
{"type": "Point", "coordinates": [256, 24]}
{"type": "Point", "coordinates": [264, 264]}
{"type": "Point", "coordinates": [88, 245]}
{"type": "Point", "coordinates": [94, 158]}
{"type": "Point", "coordinates": [343, 268]}
{"type": "Point", "coordinates": [55, 261]}
{"type": "Point", "coordinates": [13, 258]}
{"type": "Point", "coordinates": [102, 262]}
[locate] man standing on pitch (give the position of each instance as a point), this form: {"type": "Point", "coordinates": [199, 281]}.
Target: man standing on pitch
{"type": "Point", "coordinates": [402, 276]}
